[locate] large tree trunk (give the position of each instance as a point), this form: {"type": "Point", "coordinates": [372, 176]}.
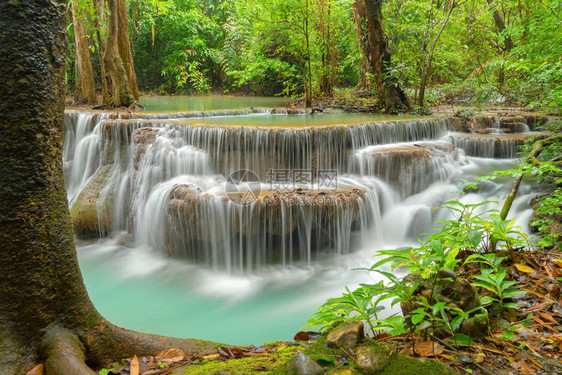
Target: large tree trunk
{"type": "Point", "coordinates": [360, 17]}
{"type": "Point", "coordinates": [389, 92]}
{"type": "Point", "coordinates": [124, 47]}
{"type": "Point", "coordinates": [85, 87]}
{"type": "Point", "coordinates": [120, 92]}
{"type": "Point", "coordinates": [45, 312]}
{"type": "Point", "coordinates": [98, 18]}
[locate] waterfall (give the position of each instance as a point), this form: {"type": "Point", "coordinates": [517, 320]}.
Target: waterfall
{"type": "Point", "coordinates": [166, 181]}
{"type": "Point", "coordinates": [502, 146]}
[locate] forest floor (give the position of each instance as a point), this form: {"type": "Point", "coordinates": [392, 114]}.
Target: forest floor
{"type": "Point", "coordinates": [527, 340]}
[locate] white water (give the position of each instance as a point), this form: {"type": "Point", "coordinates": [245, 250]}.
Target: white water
{"type": "Point", "coordinates": [242, 277]}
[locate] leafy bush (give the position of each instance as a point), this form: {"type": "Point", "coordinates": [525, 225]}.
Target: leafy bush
{"type": "Point", "coordinates": [473, 230]}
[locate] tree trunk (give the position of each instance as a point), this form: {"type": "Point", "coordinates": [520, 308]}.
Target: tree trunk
{"type": "Point", "coordinates": [125, 47]}
{"type": "Point", "coordinates": [85, 86]}
{"type": "Point", "coordinates": [426, 70]}
{"type": "Point", "coordinates": [45, 311]}
{"type": "Point", "coordinates": [308, 79]}
{"type": "Point", "coordinates": [508, 41]}
{"type": "Point", "coordinates": [389, 92]}
{"type": "Point", "coordinates": [99, 14]}
{"type": "Point", "coordinates": [120, 92]}
{"type": "Point", "coordinates": [362, 35]}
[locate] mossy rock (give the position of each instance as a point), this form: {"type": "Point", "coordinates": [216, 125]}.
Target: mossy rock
{"type": "Point", "coordinates": [334, 360]}
{"type": "Point", "coordinates": [91, 213]}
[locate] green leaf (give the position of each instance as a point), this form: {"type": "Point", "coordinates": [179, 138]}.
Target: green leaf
{"type": "Point", "coordinates": [508, 335]}
{"type": "Point", "coordinates": [461, 340]}
{"type": "Point", "coordinates": [417, 318]}
{"type": "Point", "coordinates": [474, 238]}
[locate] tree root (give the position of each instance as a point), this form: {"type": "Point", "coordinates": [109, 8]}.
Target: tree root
{"type": "Point", "coordinates": [64, 353]}
{"type": "Point", "coordinates": [107, 342]}
{"type": "Point", "coordinates": [68, 352]}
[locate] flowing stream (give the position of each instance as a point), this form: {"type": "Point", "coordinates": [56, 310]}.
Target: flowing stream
{"type": "Point", "coordinates": [174, 241]}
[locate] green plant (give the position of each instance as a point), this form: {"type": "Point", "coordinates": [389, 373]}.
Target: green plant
{"type": "Point", "coordinates": [501, 288]}
{"type": "Point", "coordinates": [427, 266]}
{"type": "Point", "coordinates": [548, 212]}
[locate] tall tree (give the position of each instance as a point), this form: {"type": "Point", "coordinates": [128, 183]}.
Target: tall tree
{"type": "Point", "coordinates": [45, 312]}
{"type": "Point", "coordinates": [85, 90]}
{"type": "Point", "coordinates": [360, 17]}
{"type": "Point", "coordinates": [428, 52]}
{"type": "Point", "coordinates": [124, 46]}
{"type": "Point", "coordinates": [389, 92]}
{"type": "Point", "coordinates": [118, 61]}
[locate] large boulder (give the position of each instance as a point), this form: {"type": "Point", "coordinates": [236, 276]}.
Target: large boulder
{"type": "Point", "coordinates": [456, 292]}
{"type": "Point", "coordinates": [92, 211]}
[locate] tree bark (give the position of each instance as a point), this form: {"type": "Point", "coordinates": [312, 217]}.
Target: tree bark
{"type": "Point", "coordinates": [389, 92]}
{"type": "Point", "coordinates": [507, 43]}
{"type": "Point", "coordinates": [359, 17]}
{"type": "Point", "coordinates": [85, 87]}
{"type": "Point", "coordinates": [120, 92]}
{"type": "Point", "coordinates": [124, 46]}
{"type": "Point", "coordinates": [99, 14]}
{"type": "Point", "coordinates": [426, 70]}
{"type": "Point", "coordinates": [45, 311]}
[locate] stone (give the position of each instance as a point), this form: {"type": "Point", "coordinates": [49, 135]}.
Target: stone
{"type": "Point", "coordinates": [301, 364]}
{"type": "Point", "coordinates": [476, 326]}
{"type": "Point", "coordinates": [455, 292]}
{"type": "Point", "coordinates": [91, 213]}
{"type": "Point", "coordinates": [447, 274]}
{"type": "Point", "coordinates": [369, 360]}
{"type": "Point", "coordinates": [346, 336]}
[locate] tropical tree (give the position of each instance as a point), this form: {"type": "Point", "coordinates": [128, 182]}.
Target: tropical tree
{"type": "Point", "coordinates": [390, 93]}
{"type": "Point", "coordinates": [45, 312]}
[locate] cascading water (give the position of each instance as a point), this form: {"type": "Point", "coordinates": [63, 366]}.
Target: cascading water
{"type": "Point", "coordinates": [160, 185]}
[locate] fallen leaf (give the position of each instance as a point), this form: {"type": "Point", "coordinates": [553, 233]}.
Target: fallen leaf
{"type": "Point", "coordinates": [479, 358]}
{"type": "Point", "coordinates": [212, 356]}
{"type": "Point", "coordinates": [36, 370]}
{"type": "Point", "coordinates": [524, 268]}
{"type": "Point", "coordinates": [135, 366]}
{"type": "Point", "coordinates": [428, 349]}
{"type": "Point", "coordinates": [171, 355]}
{"type": "Point", "coordinates": [301, 336]}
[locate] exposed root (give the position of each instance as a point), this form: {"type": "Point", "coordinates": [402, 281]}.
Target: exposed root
{"type": "Point", "coordinates": [64, 353]}
{"type": "Point", "coordinates": [107, 343]}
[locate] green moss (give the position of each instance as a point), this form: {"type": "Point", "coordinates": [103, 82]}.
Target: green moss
{"type": "Point", "coordinates": [397, 365]}
{"type": "Point", "coordinates": [403, 365]}
{"type": "Point", "coordinates": [259, 364]}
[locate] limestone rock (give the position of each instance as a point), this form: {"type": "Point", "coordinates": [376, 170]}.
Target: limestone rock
{"type": "Point", "coordinates": [301, 364]}
{"type": "Point", "coordinates": [455, 292]}
{"type": "Point", "coordinates": [347, 336]}
{"type": "Point", "coordinates": [476, 326]}
{"type": "Point", "coordinates": [91, 212]}
{"type": "Point", "coordinates": [369, 360]}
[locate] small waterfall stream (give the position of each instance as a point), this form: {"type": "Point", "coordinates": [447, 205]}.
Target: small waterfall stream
{"type": "Point", "coordinates": [320, 200]}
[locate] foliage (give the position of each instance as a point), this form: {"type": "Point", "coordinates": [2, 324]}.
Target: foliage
{"type": "Point", "coordinates": [545, 168]}
{"type": "Point", "coordinates": [472, 229]}
{"type": "Point", "coordinates": [287, 47]}
{"type": "Point", "coordinates": [548, 212]}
